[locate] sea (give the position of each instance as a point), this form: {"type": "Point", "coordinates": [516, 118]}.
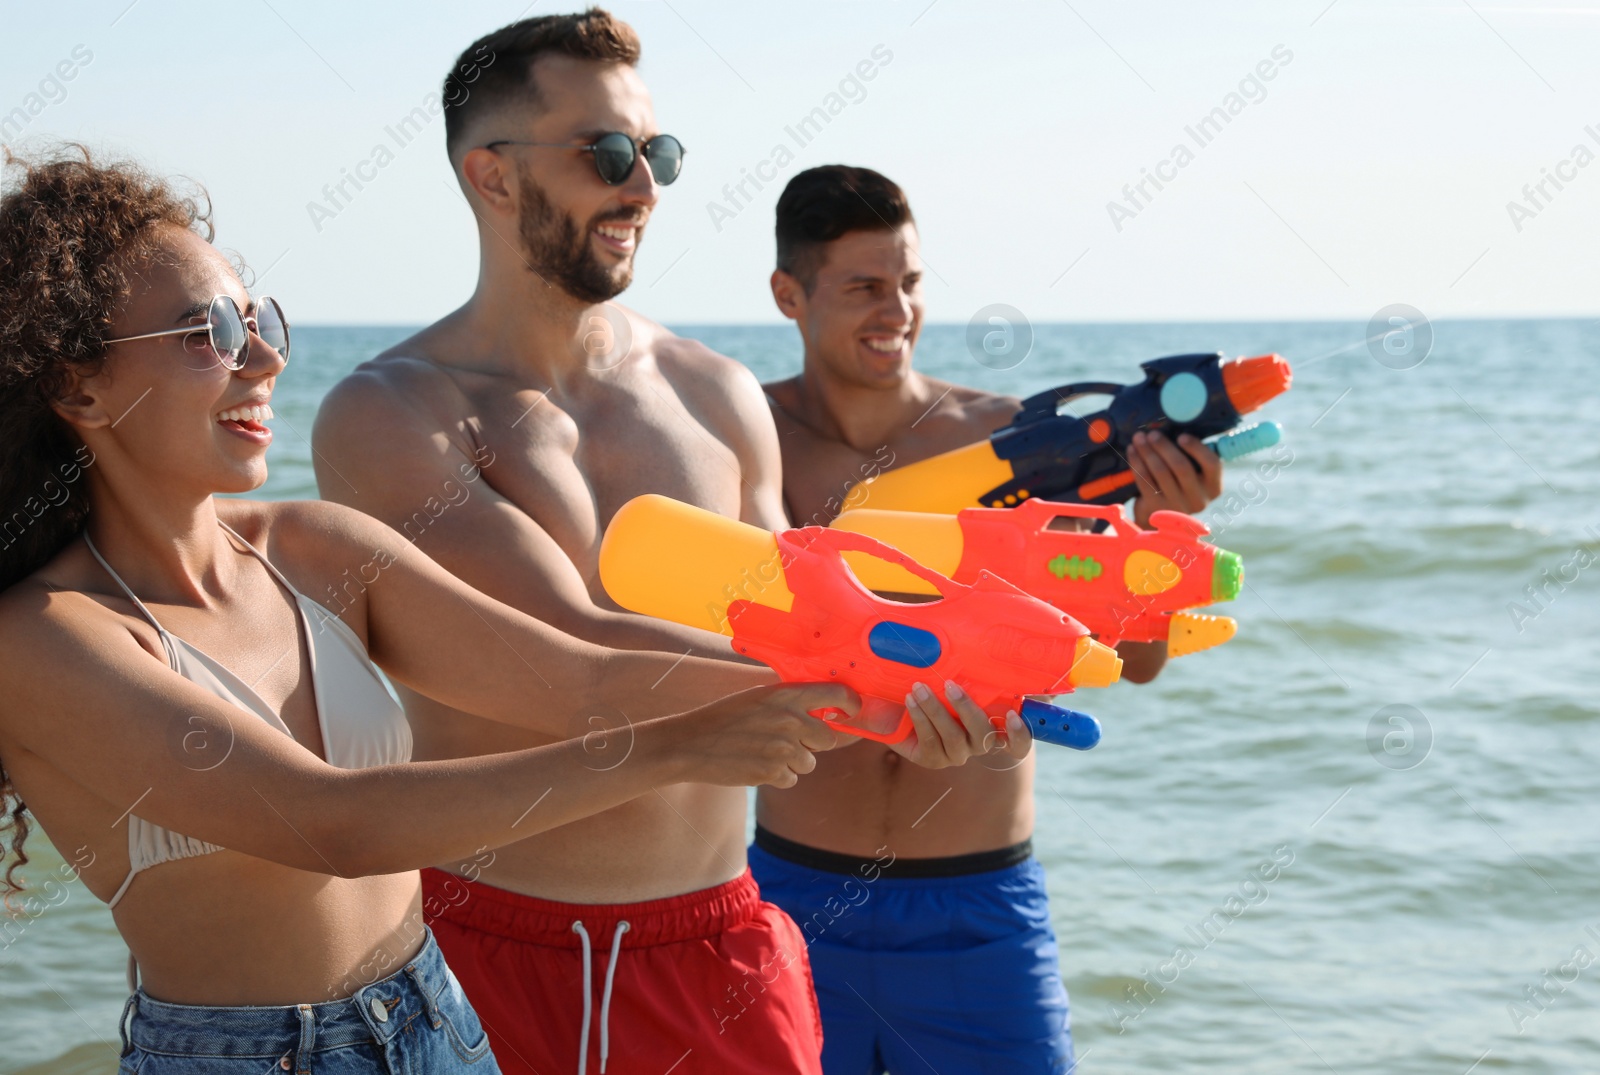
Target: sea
{"type": "Point", "coordinates": [1364, 836]}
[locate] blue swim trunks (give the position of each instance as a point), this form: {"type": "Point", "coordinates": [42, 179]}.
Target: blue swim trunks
{"type": "Point", "coordinates": [926, 965]}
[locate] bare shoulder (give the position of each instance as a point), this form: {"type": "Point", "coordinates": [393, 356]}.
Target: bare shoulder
{"type": "Point", "coordinates": [701, 369]}
{"type": "Point", "coordinates": [391, 422]}
{"type": "Point", "coordinates": [975, 404]}
{"type": "Point", "coordinates": [401, 383]}
{"type": "Point", "coordinates": [783, 402]}
{"type": "Point", "coordinates": [965, 414]}
{"type": "Point", "coordinates": [49, 622]}
{"type": "Point", "coordinates": [306, 537]}
{"type": "Point", "coordinates": [783, 396]}
{"type": "Point", "coordinates": [45, 596]}
{"type": "Point", "coordinates": [53, 637]}
{"type": "Point", "coordinates": [722, 390]}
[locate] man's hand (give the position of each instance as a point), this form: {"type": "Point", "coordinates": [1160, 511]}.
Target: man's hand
{"type": "Point", "coordinates": [1167, 478]}
{"type": "Point", "coordinates": [1141, 661]}
{"type": "Point", "coordinates": [946, 737]}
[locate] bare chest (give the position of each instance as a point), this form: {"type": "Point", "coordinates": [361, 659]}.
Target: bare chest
{"type": "Point", "coordinates": [819, 473]}
{"type": "Point", "coordinates": [569, 464]}
{"type": "Point", "coordinates": [261, 643]}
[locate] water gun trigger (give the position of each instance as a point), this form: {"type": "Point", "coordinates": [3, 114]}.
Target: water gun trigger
{"type": "Point", "coordinates": [875, 714]}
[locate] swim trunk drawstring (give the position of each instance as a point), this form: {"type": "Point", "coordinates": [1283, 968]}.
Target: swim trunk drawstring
{"type": "Point", "coordinates": [605, 997]}
{"type": "Point", "coordinates": [588, 981]}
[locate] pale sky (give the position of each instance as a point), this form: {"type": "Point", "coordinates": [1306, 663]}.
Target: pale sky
{"type": "Point", "coordinates": [1375, 166]}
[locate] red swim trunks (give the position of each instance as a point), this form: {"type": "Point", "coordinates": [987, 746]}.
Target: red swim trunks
{"type": "Point", "coordinates": [715, 981]}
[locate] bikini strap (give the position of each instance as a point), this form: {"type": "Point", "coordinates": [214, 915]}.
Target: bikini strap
{"type": "Point", "coordinates": [140, 605]}
{"type": "Point", "coordinates": [87, 540]}
{"type": "Point", "coordinates": [262, 557]}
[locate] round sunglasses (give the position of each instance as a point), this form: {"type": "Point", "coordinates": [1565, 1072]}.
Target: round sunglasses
{"type": "Point", "coordinates": [228, 331]}
{"type": "Point", "coordinates": [616, 153]}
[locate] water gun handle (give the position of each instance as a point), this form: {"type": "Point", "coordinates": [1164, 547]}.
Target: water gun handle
{"type": "Point", "coordinates": [1063, 727]}
{"type": "Point", "coordinates": [1251, 438]}
{"type": "Point", "coordinates": [842, 541]}
{"type": "Point", "coordinates": [1044, 404]}
{"type": "Point", "coordinates": [1039, 513]}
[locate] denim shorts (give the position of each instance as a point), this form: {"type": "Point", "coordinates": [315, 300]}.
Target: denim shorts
{"type": "Point", "coordinates": [416, 1020]}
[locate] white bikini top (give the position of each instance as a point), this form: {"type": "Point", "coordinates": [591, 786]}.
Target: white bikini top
{"type": "Point", "coordinates": [362, 725]}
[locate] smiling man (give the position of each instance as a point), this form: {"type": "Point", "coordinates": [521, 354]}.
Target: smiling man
{"type": "Point", "coordinates": [502, 439]}
{"type": "Point", "coordinates": [918, 892]}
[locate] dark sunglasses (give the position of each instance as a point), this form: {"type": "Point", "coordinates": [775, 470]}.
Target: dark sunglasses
{"type": "Point", "coordinates": [228, 331]}
{"type": "Point", "coordinates": [616, 153]}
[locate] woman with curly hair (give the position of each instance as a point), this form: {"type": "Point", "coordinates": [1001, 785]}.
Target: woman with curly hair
{"type": "Point", "coordinates": [215, 744]}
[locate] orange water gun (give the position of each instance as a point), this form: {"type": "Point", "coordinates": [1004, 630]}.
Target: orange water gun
{"type": "Point", "coordinates": [1125, 583]}
{"type": "Point", "coordinates": [1044, 453]}
{"type": "Point", "coordinates": [788, 600]}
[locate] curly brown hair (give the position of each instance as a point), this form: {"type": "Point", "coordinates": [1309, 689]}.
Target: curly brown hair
{"type": "Point", "coordinates": [71, 230]}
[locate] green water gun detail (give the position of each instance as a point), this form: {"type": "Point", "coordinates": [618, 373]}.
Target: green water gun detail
{"type": "Point", "coordinates": [1227, 576]}
{"type": "Point", "coordinates": [1084, 568]}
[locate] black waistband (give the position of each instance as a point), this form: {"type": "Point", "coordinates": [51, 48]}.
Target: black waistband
{"type": "Point", "coordinates": [950, 866]}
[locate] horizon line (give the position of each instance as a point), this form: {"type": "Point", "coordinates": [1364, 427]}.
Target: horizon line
{"type": "Point", "coordinates": [1592, 316]}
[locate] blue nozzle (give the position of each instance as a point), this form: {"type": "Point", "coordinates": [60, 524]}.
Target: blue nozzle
{"type": "Point", "coordinates": [1251, 438]}
{"type": "Point", "coordinates": [1063, 727]}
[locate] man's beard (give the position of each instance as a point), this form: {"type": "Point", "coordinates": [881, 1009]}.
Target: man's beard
{"type": "Point", "coordinates": [559, 251]}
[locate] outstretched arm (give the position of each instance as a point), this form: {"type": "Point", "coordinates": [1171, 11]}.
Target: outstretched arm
{"type": "Point", "coordinates": [437, 635]}
{"type": "Point", "coordinates": [87, 699]}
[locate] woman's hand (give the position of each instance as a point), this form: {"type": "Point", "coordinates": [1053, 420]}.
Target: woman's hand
{"type": "Point", "coordinates": [765, 735]}
{"type": "Point", "coordinates": [950, 736]}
